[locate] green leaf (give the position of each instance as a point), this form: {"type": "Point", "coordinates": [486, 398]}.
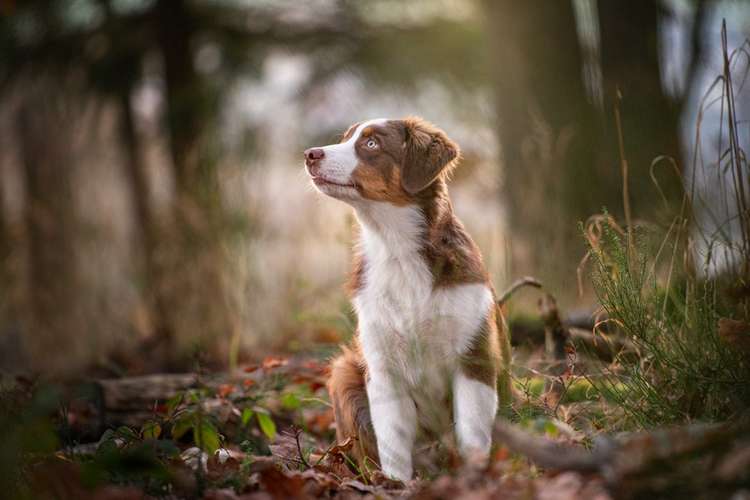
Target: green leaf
{"type": "Point", "coordinates": [290, 401]}
{"type": "Point", "coordinates": [108, 435]}
{"type": "Point", "coordinates": [207, 438]}
{"type": "Point", "coordinates": [106, 448]}
{"type": "Point", "coordinates": [151, 430]}
{"type": "Point", "coordinates": [551, 429]}
{"type": "Point", "coordinates": [247, 414]}
{"type": "Point", "coordinates": [266, 424]}
{"type": "Point", "coordinates": [126, 433]}
{"type": "Point", "coordinates": [181, 426]}
{"type": "Point", "coordinates": [173, 403]}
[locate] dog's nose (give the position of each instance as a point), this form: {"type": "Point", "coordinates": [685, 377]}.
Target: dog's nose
{"type": "Point", "coordinates": [312, 157]}
{"type": "Point", "coordinates": [313, 154]}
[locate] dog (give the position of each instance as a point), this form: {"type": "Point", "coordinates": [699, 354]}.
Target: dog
{"type": "Point", "coordinates": [429, 329]}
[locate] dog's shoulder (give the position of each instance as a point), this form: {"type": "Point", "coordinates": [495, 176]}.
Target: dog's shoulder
{"type": "Point", "coordinates": [452, 255]}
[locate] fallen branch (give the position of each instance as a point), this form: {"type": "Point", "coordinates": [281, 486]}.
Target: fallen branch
{"type": "Point", "coordinates": [547, 453]}
{"type": "Point", "coordinates": [644, 461]}
{"type": "Point", "coordinates": [522, 282]}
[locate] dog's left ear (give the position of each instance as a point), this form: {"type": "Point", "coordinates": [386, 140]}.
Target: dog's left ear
{"type": "Point", "coordinates": [428, 152]}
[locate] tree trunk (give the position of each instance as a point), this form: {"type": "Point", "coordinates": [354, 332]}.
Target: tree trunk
{"type": "Point", "coordinates": [548, 134]}
{"type": "Point", "coordinates": [192, 109]}
{"type": "Point", "coordinates": [52, 332]}
{"type": "Point", "coordinates": [151, 237]}
{"type": "Point", "coordinates": [630, 67]}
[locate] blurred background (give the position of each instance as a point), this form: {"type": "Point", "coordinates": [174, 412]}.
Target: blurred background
{"type": "Point", "coordinates": [153, 203]}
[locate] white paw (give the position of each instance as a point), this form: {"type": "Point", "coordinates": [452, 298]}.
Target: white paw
{"type": "Point", "coordinates": [402, 473]}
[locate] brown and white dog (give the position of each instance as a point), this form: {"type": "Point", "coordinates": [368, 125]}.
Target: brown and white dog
{"type": "Point", "coordinates": [429, 328]}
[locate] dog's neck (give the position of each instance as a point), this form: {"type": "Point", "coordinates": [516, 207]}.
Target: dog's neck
{"type": "Point", "coordinates": [401, 230]}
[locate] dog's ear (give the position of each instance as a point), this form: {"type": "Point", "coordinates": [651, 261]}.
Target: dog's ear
{"type": "Point", "coordinates": [428, 152]}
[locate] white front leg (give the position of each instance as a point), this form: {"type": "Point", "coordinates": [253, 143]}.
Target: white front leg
{"type": "Point", "coordinates": [474, 408]}
{"type": "Point", "coordinates": [394, 418]}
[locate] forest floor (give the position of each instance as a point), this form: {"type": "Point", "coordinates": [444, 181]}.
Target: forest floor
{"type": "Point", "coordinates": [267, 431]}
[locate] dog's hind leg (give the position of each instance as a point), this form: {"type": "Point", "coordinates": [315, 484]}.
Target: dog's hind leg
{"type": "Point", "coordinates": [346, 388]}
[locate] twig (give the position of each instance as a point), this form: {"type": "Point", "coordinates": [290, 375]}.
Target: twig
{"type": "Point", "coordinates": [625, 187]}
{"type": "Point", "coordinates": [325, 453]}
{"type": "Point", "coordinates": [525, 281]}
{"type": "Point", "coordinates": [297, 433]}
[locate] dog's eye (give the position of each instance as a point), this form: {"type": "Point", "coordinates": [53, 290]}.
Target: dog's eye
{"type": "Point", "coordinates": [371, 144]}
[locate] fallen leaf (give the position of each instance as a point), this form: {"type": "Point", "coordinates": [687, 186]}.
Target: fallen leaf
{"type": "Point", "coordinates": [225, 390]}
{"type": "Point", "coordinates": [271, 362]}
{"type": "Point", "coordinates": [359, 486]}
{"type": "Point", "coordinates": [319, 422]}
{"type": "Point", "coordinates": [501, 454]}
{"type": "Point", "coordinates": [280, 484]}
{"type": "Point", "coordinates": [735, 333]}
{"type": "Point", "coordinates": [379, 479]}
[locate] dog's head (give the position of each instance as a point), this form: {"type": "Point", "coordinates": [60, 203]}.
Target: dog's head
{"type": "Point", "coordinates": [382, 160]}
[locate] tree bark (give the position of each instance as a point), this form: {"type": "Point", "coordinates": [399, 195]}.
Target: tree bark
{"type": "Point", "coordinates": [548, 133]}
{"type": "Point", "coordinates": [632, 81]}
{"type": "Point", "coordinates": [153, 268]}
{"type": "Point", "coordinates": [53, 324]}
{"type": "Point", "coordinates": [192, 109]}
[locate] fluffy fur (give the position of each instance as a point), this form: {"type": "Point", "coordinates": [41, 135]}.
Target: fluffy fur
{"type": "Point", "coordinates": [428, 325]}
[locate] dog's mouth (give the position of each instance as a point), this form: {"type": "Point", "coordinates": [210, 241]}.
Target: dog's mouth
{"type": "Point", "coordinates": [321, 181]}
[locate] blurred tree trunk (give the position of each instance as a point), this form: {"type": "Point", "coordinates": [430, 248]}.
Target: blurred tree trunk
{"type": "Point", "coordinates": [630, 65]}
{"type": "Point", "coordinates": [153, 268]}
{"type": "Point", "coordinates": [5, 238]}
{"type": "Point", "coordinates": [7, 317]}
{"type": "Point", "coordinates": [560, 151]}
{"type": "Point", "coordinates": [548, 132]}
{"type": "Point", "coordinates": [192, 109]}
{"type": "Point", "coordinates": [46, 149]}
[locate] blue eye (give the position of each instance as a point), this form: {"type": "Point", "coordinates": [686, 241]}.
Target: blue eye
{"type": "Point", "coordinates": [372, 144]}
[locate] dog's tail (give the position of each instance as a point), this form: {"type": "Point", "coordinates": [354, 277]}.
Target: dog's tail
{"type": "Point", "coordinates": [346, 387]}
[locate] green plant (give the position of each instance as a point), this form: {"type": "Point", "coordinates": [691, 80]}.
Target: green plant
{"type": "Point", "coordinates": [679, 368]}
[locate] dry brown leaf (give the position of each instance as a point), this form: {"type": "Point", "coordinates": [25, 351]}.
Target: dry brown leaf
{"type": "Point", "coordinates": [735, 333]}
{"type": "Point", "coordinates": [225, 390]}
{"type": "Point", "coordinates": [271, 362]}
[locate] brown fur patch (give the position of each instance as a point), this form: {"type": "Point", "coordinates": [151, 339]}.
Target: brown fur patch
{"type": "Point", "coordinates": [378, 176]}
{"type": "Point", "coordinates": [346, 387]}
{"type": "Point", "coordinates": [488, 359]}
{"type": "Point", "coordinates": [380, 184]}
{"type": "Point", "coordinates": [482, 361]}
{"type": "Point", "coordinates": [348, 134]}
{"type": "Point", "coordinates": [428, 154]}
{"type": "Point", "coordinates": [357, 275]}
{"type": "Point", "coordinates": [451, 254]}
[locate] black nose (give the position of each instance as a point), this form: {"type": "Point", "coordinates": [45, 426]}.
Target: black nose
{"type": "Point", "coordinates": [313, 154]}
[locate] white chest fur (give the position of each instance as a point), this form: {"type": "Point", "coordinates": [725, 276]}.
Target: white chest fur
{"type": "Point", "coordinates": [408, 327]}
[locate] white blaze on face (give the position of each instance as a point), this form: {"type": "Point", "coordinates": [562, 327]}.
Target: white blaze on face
{"type": "Point", "coordinates": [340, 160]}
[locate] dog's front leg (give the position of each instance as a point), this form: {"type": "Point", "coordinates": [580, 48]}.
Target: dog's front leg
{"type": "Point", "coordinates": [394, 418]}
{"type": "Point", "coordinates": [474, 408]}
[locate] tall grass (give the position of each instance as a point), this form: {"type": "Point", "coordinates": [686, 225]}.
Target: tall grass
{"type": "Point", "coordinates": [679, 368]}
{"type": "Point", "coordinates": [668, 298]}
